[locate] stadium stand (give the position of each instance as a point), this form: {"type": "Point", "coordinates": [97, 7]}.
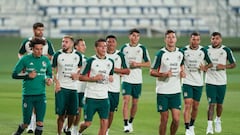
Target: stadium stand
{"type": "Point", "coordinates": [104, 16]}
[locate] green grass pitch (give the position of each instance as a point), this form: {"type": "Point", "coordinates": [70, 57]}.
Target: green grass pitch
{"type": "Point", "coordinates": [147, 119]}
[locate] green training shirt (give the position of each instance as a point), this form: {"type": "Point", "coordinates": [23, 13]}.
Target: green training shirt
{"type": "Point", "coordinates": [29, 63]}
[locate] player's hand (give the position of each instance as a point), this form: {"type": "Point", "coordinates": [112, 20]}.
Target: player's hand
{"type": "Point", "coordinates": [75, 76]}
{"type": "Point", "coordinates": [32, 74]}
{"type": "Point", "coordinates": [110, 79]}
{"type": "Point", "coordinates": [57, 86]}
{"type": "Point", "coordinates": [182, 74]}
{"type": "Point", "coordinates": [49, 81]}
{"type": "Point", "coordinates": [133, 64]}
{"type": "Point", "coordinates": [220, 67]}
{"type": "Point", "coordinates": [98, 77]}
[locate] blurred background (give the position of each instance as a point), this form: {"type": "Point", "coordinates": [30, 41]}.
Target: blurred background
{"type": "Point", "coordinates": [101, 17]}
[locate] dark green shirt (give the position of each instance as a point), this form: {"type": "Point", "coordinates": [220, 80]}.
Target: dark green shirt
{"type": "Point", "coordinates": [28, 63]}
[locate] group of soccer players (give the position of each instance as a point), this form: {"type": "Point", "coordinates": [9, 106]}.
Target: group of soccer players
{"type": "Point", "coordinates": [94, 83]}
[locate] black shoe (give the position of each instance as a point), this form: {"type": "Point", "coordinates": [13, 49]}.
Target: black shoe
{"type": "Point", "coordinates": [67, 132]}
{"type": "Point", "coordinates": [30, 131]}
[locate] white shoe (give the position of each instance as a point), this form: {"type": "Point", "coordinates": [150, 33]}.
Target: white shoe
{"type": "Point", "coordinates": [209, 129]}
{"type": "Point", "coordinates": [31, 127]}
{"type": "Point", "coordinates": [130, 127]}
{"type": "Point", "coordinates": [188, 132]}
{"type": "Point", "coordinates": [191, 128]}
{"type": "Point", "coordinates": [126, 129]}
{"type": "Point", "coordinates": [218, 126]}
{"type": "Point", "coordinates": [75, 130]}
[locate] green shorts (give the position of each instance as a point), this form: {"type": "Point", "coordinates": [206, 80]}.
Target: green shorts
{"type": "Point", "coordinates": [80, 99]}
{"type": "Point", "coordinates": [66, 102]}
{"type": "Point", "coordinates": [168, 101]}
{"type": "Point", "coordinates": [215, 93]}
{"type": "Point", "coordinates": [92, 106]}
{"type": "Point", "coordinates": [114, 101]}
{"type": "Point", "coordinates": [131, 89]}
{"type": "Point", "coordinates": [194, 92]}
{"type": "Point", "coordinates": [39, 102]}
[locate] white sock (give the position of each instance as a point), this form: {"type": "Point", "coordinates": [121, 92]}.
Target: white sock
{"type": "Point", "coordinates": [218, 118]}
{"type": "Point", "coordinates": [210, 122]}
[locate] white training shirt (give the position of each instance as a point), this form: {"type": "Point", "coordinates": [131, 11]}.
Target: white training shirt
{"type": "Point", "coordinates": [67, 63]}
{"type": "Point", "coordinates": [192, 61]}
{"type": "Point", "coordinates": [138, 54]}
{"type": "Point", "coordinates": [119, 62]}
{"type": "Point", "coordinates": [81, 85]}
{"type": "Point", "coordinates": [218, 56]}
{"type": "Point", "coordinates": [98, 90]}
{"type": "Point", "coordinates": [163, 62]}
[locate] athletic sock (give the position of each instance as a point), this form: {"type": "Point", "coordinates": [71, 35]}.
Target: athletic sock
{"type": "Point", "coordinates": [131, 119]}
{"type": "Point", "coordinates": [125, 122]}
{"type": "Point", "coordinates": [192, 122]}
{"type": "Point", "coordinates": [38, 130]}
{"type": "Point", "coordinates": [186, 125]}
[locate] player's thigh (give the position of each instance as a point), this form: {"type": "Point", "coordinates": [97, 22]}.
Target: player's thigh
{"type": "Point", "coordinates": [137, 89]}
{"type": "Point", "coordinates": [40, 107]}
{"type": "Point", "coordinates": [197, 93]}
{"type": "Point", "coordinates": [90, 108]}
{"type": "Point", "coordinates": [114, 101]}
{"type": "Point", "coordinates": [211, 92]}
{"type": "Point", "coordinates": [60, 100]}
{"type": "Point", "coordinates": [72, 102]}
{"type": "Point", "coordinates": [162, 102]}
{"type": "Point", "coordinates": [126, 88]}
{"type": "Point", "coordinates": [175, 101]}
{"type": "Point", "coordinates": [187, 91]}
{"type": "Point", "coordinates": [27, 107]}
{"type": "Point", "coordinates": [103, 108]}
{"type": "Point", "coordinates": [221, 93]}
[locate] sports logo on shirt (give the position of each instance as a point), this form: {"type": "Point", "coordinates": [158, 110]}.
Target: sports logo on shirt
{"type": "Point", "coordinates": [44, 64]}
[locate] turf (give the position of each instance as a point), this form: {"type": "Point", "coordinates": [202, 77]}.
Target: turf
{"type": "Point", "coordinates": [147, 118]}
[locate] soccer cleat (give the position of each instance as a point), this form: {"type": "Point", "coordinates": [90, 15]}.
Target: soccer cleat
{"type": "Point", "coordinates": [130, 127]}
{"type": "Point", "coordinates": [126, 129]}
{"type": "Point", "coordinates": [218, 126]}
{"type": "Point", "coordinates": [191, 128]}
{"type": "Point", "coordinates": [188, 132]}
{"type": "Point", "coordinates": [209, 130]}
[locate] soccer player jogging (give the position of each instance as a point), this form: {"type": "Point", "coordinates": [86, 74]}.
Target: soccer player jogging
{"type": "Point", "coordinates": [80, 46]}
{"type": "Point", "coordinates": [196, 62]}
{"type": "Point", "coordinates": [98, 73]}
{"type": "Point", "coordinates": [38, 72]}
{"type": "Point", "coordinates": [216, 79]}
{"type": "Point", "coordinates": [66, 63]}
{"type": "Point", "coordinates": [137, 57]}
{"type": "Point", "coordinates": [168, 69]}
{"type": "Point", "coordinates": [120, 68]}
{"type": "Point", "coordinates": [48, 50]}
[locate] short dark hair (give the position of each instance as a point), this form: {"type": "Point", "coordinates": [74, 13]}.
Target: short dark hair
{"type": "Point", "coordinates": [169, 31]}
{"type": "Point", "coordinates": [111, 36]}
{"type": "Point", "coordinates": [216, 34]}
{"type": "Point", "coordinates": [77, 41]}
{"type": "Point", "coordinates": [133, 30]}
{"type": "Point", "coordinates": [36, 41]}
{"type": "Point", "coordinates": [195, 34]}
{"type": "Point", "coordinates": [99, 40]}
{"type": "Point", "coordinates": [37, 24]}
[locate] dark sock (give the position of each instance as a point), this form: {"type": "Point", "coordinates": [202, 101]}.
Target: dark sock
{"type": "Point", "coordinates": [192, 122]}
{"type": "Point", "coordinates": [125, 122]}
{"type": "Point", "coordinates": [19, 130]}
{"type": "Point", "coordinates": [131, 119]}
{"type": "Point", "coordinates": [38, 130]}
{"type": "Point", "coordinates": [186, 125]}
